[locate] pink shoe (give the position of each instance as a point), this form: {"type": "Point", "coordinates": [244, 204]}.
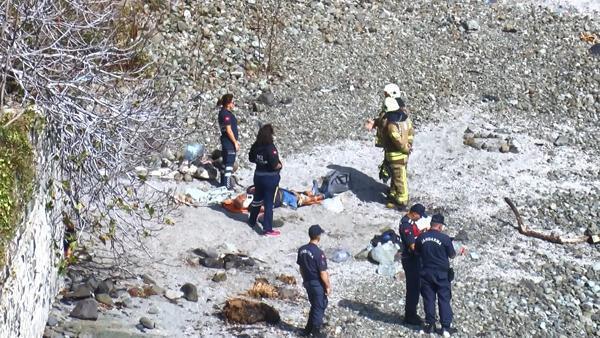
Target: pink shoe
{"type": "Point", "coordinates": [272, 233]}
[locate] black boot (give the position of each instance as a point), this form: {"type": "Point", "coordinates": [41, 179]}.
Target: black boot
{"type": "Point", "coordinates": [316, 333]}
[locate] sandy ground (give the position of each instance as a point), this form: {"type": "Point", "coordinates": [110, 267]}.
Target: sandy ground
{"type": "Point", "coordinates": [467, 185]}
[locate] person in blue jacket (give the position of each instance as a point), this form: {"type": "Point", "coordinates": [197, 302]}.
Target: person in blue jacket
{"type": "Point", "coordinates": [266, 178]}
{"type": "Point", "coordinates": [229, 138]}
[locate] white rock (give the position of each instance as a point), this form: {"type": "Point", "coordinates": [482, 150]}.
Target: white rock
{"type": "Point", "coordinates": [141, 171]}
{"type": "Point", "coordinates": [173, 295]}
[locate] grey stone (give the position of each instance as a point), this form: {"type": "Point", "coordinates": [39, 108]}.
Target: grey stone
{"type": "Point", "coordinates": [188, 178]}
{"type": "Point", "coordinates": [190, 292]}
{"type": "Point", "coordinates": [153, 310]}
{"type": "Point", "coordinates": [104, 299]}
{"type": "Point", "coordinates": [182, 26]}
{"type": "Point", "coordinates": [86, 309]}
{"type": "Point", "coordinates": [266, 98]}
{"type": "Point", "coordinates": [52, 321]}
{"type": "Point", "coordinates": [219, 277]}
{"type": "Point", "coordinates": [595, 50]}
{"type": "Point", "coordinates": [106, 286]}
{"type": "Point", "coordinates": [80, 292]}
{"type": "Point", "coordinates": [471, 25]}
{"type": "Point", "coordinates": [147, 323]}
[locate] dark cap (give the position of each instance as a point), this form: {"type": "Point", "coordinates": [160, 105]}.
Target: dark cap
{"type": "Point", "coordinates": [315, 230]}
{"type": "Point", "coordinates": [418, 209]}
{"type": "Point", "coordinates": [437, 219]}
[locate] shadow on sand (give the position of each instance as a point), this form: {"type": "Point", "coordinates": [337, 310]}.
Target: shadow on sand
{"type": "Point", "coordinates": [373, 313]}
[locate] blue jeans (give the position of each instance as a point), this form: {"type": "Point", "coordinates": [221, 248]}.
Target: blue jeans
{"type": "Point", "coordinates": [265, 187]}
{"type": "Point", "coordinates": [435, 284]}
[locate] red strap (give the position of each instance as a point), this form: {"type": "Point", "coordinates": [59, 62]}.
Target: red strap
{"type": "Point", "coordinates": [416, 231]}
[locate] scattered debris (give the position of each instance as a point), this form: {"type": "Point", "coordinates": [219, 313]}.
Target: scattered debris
{"type": "Point", "coordinates": [263, 289]}
{"type": "Point", "coordinates": [245, 311]}
{"type": "Point", "coordinates": [287, 279]}
{"type": "Point", "coordinates": [489, 140]}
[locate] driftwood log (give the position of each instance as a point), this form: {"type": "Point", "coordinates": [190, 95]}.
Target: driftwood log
{"type": "Point", "coordinates": [522, 228]}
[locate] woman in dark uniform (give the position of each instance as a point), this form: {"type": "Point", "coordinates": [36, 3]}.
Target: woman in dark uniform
{"type": "Point", "coordinates": [266, 178]}
{"type": "Point", "coordinates": [229, 138]}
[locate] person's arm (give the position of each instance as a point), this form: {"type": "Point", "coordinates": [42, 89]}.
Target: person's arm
{"type": "Point", "coordinates": [450, 249]}
{"type": "Point", "coordinates": [231, 137]}
{"type": "Point", "coordinates": [274, 161]}
{"type": "Point", "coordinates": [252, 154]}
{"type": "Point", "coordinates": [325, 279]}
{"type": "Point", "coordinates": [406, 232]}
{"type": "Point", "coordinates": [418, 244]}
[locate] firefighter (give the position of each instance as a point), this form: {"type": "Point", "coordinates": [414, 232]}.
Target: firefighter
{"type": "Point", "coordinates": [397, 138]}
{"type": "Point", "coordinates": [378, 123]}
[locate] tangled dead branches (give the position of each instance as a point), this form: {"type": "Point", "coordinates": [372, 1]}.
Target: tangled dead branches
{"type": "Point", "coordinates": [82, 63]}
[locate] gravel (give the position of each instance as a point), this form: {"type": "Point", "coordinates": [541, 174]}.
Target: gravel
{"type": "Point", "coordinates": [522, 67]}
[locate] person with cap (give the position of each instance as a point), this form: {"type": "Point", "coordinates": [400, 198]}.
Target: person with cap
{"type": "Point", "coordinates": [435, 249]}
{"type": "Point", "coordinates": [397, 141]}
{"type": "Point", "coordinates": [313, 268]}
{"type": "Point", "coordinates": [266, 178]}
{"type": "Point", "coordinates": [229, 138]}
{"type": "Point", "coordinates": [411, 262]}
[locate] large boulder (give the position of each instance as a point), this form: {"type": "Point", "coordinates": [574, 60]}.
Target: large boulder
{"type": "Point", "coordinates": [86, 309]}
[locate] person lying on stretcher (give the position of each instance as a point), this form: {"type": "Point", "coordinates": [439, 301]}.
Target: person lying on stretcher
{"type": "Point", "coordinates": [283, 197]}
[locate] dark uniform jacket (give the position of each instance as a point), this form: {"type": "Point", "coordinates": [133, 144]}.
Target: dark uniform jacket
{"type": "Point", "coordinates": [226, 118]}
{"type": "Point", "coordinates": [312, 262]}
{"type": "Point", "coordinates": [435, 249]}
{"type": "Point", "coordinates": [408, 233]}
{"type": "Point", "coordinates": [266, 158]}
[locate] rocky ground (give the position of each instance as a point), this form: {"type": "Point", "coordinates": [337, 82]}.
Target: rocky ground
{"type": "Point", "coordinates": [519, 73]}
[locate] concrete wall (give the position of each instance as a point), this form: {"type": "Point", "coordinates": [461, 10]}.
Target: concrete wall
{"type": "Point", "coordinates": [28, 282]}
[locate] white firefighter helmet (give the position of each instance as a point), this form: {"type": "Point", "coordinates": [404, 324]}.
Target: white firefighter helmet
{"type": "Point", "coordinates": [392, 90]}
{"type": "Point", "coordinates": [391, 104]}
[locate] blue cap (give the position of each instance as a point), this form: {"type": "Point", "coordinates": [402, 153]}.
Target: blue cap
{"type": "Point", "coordinates": [315, 230]}
{"type": "Point", "coordinates": [418, 209]}
{"type": "Point", "coordinates": [437, 219]}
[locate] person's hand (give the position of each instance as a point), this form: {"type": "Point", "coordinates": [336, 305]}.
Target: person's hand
{"type": "Point", "coordinates": [369, 124]}
{"type": "Point", "coordinates": [328, 291]}
{"type": "Point", "coordinates": [237, 146]}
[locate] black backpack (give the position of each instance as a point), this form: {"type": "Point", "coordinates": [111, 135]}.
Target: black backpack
{"type": "Point", "coordinates": [335, 182]}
